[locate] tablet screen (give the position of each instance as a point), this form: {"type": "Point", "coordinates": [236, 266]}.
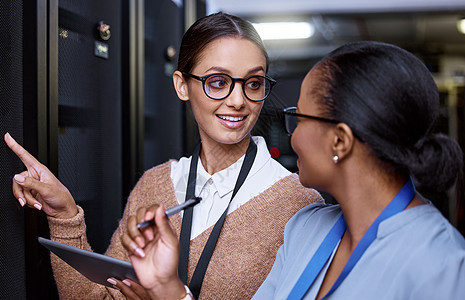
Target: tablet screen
{"type": "Point", "coordinates": [96, 267]}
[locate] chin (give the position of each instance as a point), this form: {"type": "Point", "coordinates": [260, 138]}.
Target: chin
{"type": "Point", "coordinates": [310, 181]}
{"type": "Point", "coordinates": [302, 180]}
{"type": "Point", "coordinates": [233, 138]}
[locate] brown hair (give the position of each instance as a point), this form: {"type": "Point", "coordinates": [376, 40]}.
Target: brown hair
{"type": "Point", "coordinates": [210, 28]}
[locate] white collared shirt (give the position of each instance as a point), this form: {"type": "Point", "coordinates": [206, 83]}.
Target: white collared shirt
{"type": "Point", "coordinates": [216, 190]}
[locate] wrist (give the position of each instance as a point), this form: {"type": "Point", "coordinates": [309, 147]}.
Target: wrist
{"type": "Point", "coordinates": [69, 213]}
{"type": "Point", "coordinates": [173, 289]}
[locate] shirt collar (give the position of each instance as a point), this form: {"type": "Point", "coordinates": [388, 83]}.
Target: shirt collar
{"type": "Point", "coordinates": [400, 220]}
{"type": "Point", "coordinates": [225, 180]}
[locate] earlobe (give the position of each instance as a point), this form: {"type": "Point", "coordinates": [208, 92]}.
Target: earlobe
{"type": "Point", "coordinates": [180, 85]}
{"type": "Point", "coordinates": [343, 141]}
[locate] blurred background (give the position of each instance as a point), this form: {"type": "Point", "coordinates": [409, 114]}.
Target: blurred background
{"type": "Point", "coordinates": [298, 33]}
{"type": "Point", "coordinates": [86, 87]}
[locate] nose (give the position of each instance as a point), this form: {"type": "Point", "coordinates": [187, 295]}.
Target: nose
{"type": "Point", "coordinates": [237, 98]}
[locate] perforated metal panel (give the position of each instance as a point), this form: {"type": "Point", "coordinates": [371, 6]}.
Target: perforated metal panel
{"type": "Point", "coordinates": [162, 109]}
{"type": "Point", "coordinates": [12, 262]}
{"type": "Point", "coordinates": [89, 99]}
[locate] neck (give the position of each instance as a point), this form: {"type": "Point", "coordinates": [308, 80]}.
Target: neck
{"type": "Point", "coordinates": [217, 156]}
{"type": "Point", "coordinates": [362, 199]}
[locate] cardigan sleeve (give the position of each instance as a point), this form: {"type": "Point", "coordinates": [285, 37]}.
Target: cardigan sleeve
{"type": "Point", "coordinates": [70, 283]}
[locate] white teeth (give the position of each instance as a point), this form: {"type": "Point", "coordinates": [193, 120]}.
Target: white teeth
{"type": "Point", "coordinates": [233, 119]}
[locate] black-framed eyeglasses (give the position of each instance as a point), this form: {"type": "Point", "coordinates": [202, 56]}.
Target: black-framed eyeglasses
{"type": "Point", "coordinates": [218, 86]}
{"type": "Point", "coordinates": [290, 119]}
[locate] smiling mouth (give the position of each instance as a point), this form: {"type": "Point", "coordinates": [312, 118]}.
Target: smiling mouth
{"type": "Point", "coordinates": [231, 119]}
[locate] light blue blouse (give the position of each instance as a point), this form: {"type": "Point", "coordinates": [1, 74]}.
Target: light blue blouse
{"type": "Point", "coordinates": [417, 254]}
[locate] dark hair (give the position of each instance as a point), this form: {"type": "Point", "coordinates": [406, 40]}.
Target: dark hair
{"type": "Point", "coordinates": [390, 100]}
{"type": "Point", "coordinates": [210, 28]}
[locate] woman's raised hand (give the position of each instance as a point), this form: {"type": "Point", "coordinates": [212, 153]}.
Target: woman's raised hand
{"type": "Point", "coordinates": [38, 188]}
{"type": "Point", "coordinates": [154, 253]}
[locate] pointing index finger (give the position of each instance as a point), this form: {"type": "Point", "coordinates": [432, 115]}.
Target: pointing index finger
{"type": "Point", "coordinates": [24, 156]}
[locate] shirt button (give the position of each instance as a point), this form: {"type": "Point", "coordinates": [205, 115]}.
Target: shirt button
{"type": "Point", "coordinates": [210, 181]}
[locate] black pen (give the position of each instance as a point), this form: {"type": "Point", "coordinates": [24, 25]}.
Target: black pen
{"type": "Point", "coordinates": [172, 211]}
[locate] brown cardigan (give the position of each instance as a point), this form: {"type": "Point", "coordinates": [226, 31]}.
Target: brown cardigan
{"type": "Point", "coordinates": [244, 254]}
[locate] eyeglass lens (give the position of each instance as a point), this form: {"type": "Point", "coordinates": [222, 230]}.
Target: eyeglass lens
{"type": "Point", "coordinates": [219, 86]}
{"type": "Point", "coordinates": [290, 121]}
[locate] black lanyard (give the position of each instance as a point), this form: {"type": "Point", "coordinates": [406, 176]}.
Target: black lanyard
{"type": "Point", "coordinates": [185, 236]}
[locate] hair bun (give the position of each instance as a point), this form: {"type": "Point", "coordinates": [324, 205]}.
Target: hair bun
{"type": "Point", "coordinates": [435, 163]}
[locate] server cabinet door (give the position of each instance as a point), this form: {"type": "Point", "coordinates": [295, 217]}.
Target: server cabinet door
{"type": "Point", "coordinates": [89, 106]}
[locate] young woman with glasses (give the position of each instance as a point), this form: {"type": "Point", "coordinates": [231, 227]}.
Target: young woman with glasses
{"type": "Point", "coordinates": [363, 132]}
{"type": "Point", "coordinates": [227, 246]}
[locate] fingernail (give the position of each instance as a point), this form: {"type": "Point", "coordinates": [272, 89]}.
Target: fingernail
{"type": "Point", "coordinates": [38, 206]}
{"type": "Point", "coordinates": [126, 282]}
{"type": "Point", "coordinates": [19, 178]}
{"type": "Point", "coordinates": [150, 237]}
{"type": "Point", "coordinates": [140, 241]}
{"type": "Point", "coordinates": [133, 246]}
{"type": "Point", "coordinates": [140, 252]}
{"type": "Point", "coordinates": [111, 281]}
{"type": "Point", "coordinates": [149, 215]}
{"type": "Point", "coordinates": [21, 201]}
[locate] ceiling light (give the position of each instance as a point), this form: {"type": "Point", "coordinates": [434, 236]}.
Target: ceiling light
{"type": "Point", "coordinates": [284, 30]}
{"type": "Point", "coordinates": [461, 25]}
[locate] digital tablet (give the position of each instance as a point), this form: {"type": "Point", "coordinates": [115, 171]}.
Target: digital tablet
{"type": "Point", "coordinates": [96, 267]}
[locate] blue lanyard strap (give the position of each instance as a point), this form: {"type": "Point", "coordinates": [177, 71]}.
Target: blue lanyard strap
{"type": "Point", "coordinates": [321, 256]}
{"type": "Point", "coordinates": [318, 260]}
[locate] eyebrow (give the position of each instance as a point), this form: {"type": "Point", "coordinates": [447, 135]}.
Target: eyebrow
{"type": "Point", "coordinates": [223, 70]}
